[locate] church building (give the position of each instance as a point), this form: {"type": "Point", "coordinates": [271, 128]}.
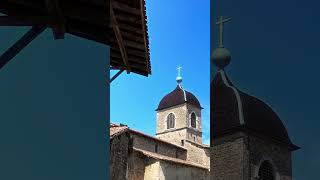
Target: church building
{"type": "Point", "coordinates": [248, 139]}
{"type": "Point", "coordinates": [176, 151]}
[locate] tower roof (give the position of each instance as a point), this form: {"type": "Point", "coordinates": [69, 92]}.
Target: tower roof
{"type": "Point", "coordinates": [176, 97]}
{"type": "Point", "coordinates": [233, 109]}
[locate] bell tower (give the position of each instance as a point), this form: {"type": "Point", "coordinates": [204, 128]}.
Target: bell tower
{"type": "Point", "coordinates": [179, 116]}
{"type": "Point", "coordinates": [248, 139]}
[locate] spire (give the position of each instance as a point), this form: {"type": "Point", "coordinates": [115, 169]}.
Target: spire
{"type": "Point", "coordinates": [179, 78]}
{"type": "Point", "coordinates": [221, 57]}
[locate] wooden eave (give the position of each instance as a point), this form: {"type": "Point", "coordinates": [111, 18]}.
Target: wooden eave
{"type": "Point", "coordinates": [89, 19]}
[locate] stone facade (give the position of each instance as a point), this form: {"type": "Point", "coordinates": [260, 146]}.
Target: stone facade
{"type": "Point", "coordinates": [182, 129]}
{"type": "Point", "coordinates": [238, 157]}
{"type": "Point", "coordinates": [170, 171]}
{"type": "Point", "coordinates": [198, 153]}
{"type": "Point", "coordinates": [136, 167]}
{"type": "Point", "coordinates": [119, 153]}
{"type": "Point", "coordinates": [152, 144]}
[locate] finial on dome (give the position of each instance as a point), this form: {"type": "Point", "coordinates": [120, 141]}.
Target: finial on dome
{"type": "Point", "coordinates": [179, 78]}
{"type": "Point", "coordinates": [221, 57]}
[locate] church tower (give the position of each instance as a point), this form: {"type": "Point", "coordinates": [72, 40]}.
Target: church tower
{"type": "Point", "coordinates": [179, 116]}
{"type": "Point", "coordinates": [248, 139]}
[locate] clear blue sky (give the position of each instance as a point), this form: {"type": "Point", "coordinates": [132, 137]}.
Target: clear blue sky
{"type": "Point", "coordinates": [179, 34]}
{"type": "Point", "coordinates": [275, 49]}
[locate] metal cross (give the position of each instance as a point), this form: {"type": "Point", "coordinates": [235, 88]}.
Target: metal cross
{"type": "Point", "coordinates": [221, 23]}
{"type": "Point", "coordinates": [179, 70]}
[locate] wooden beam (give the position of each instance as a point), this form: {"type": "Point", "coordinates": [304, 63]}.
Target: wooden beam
{"type": "Point", "coordinates": [20, 44]}
{"type": "Point", "coordinates": [129, 19]}
{"type": "Point", "coordinates": [145, 33]}
{"type": "Point", "coordinates": [55, 11]}
{"type": "Point", "coordinates": [116, 75]}
{"type": "Point", "coordinates": [125, 8]}
{"type": "Point", "coordinates": [119, 39]}
{"type": "Point", "coordinates": [131, 44]}
{"type": "Point", "coordinates": [25, 21]}
{"type": "Point", "coordinates": [131, 52]}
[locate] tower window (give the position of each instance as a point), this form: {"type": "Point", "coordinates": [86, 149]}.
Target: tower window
{"type": "Point", "coordinates": [193, 120]}
{"type": "Point", "coordinates": [170, 121]}
{"type": "Point", "coordinates": [266, 171]}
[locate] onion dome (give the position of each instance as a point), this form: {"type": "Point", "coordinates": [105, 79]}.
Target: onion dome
{"type": "Point", "coordinates": [178, 96]}
{"type": "Point", "coordinates": [233, 110]}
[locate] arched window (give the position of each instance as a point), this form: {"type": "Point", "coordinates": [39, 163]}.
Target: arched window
{"type": "Point", "coordinates": [193, 120]}
{"type": "Point", "coordinates": [266, 171]}
{"type": "Point", "coordinates": [170, 121]}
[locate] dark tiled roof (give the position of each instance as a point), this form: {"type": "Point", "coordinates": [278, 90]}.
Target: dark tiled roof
{"type": "Point", "coordinates": [232, 109]}
{"type": "Point", "coordinates": [176, 97]}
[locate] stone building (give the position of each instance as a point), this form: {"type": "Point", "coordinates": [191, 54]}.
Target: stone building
{"type": "Point", "coordinates": [175, 153]}
{"type": "Point", "coordinates": [248, 139]}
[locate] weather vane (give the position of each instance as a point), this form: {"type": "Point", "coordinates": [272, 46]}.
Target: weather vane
{"type": "Point", "coordinates": [221, 23]}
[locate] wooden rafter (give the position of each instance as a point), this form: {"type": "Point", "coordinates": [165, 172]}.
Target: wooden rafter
{"type": "Point", "coordinates": [119, 39]}
{"type": "Point", "coordinates": [128, 41]}
{"type": "Point", "coordinates": [25, 21]}
{"type": "Point", "coordinates": [20, 44]}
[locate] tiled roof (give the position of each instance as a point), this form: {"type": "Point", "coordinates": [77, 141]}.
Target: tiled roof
{"type": "Point", "coordinates": [115, 130]}
{"type": "Point", "coordinates": [233, 110]}
{"type": "Point", "coordinates": [169, 159]}
{"type": "Point", "coordinates": [176, 97]}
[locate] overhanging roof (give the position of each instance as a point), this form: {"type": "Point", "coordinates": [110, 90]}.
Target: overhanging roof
{"type": "Point", "coordinates": [89, 19]}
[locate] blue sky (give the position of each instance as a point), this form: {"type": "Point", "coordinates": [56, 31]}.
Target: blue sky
{"type": "Point", "coordinates": [179, 34]}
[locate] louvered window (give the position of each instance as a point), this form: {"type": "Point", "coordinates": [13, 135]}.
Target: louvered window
{"type": "Point", "coordinates": [266, 171]}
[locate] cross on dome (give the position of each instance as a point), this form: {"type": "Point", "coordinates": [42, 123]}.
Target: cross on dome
{"type": "Point", "coordinates": [179, 78]}
{"type": "Point", "coordinates": [221, 23]}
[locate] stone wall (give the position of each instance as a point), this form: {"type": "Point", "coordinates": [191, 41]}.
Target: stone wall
{"type": "Point", "coordinates": [198, 154]}
{"type": "Point", "coordinates": [180, 113]}
{"type": "Point", "coordinates": [136, 166]}
{"type": "Point", "coordinates": [194, 135]}
{"type": "Point", "coordinates": [239, 156]}
{"type": "Point", "coordinates": [172, 171]}
{"type": "Point", "coordinates": [118, 156]}
{"type": "Point", "coordinates": [197, 111]}
{"type": "Point", "coordinates": [229, 159]}
{"type": "Point", "coordinates": [174, 136]}
{"type": "Point", "coordinates": [279, 156]}
{"type": "Point", "coordinates": [152, 170]}
{"type": "Point", "coordinates": [149, 144]}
